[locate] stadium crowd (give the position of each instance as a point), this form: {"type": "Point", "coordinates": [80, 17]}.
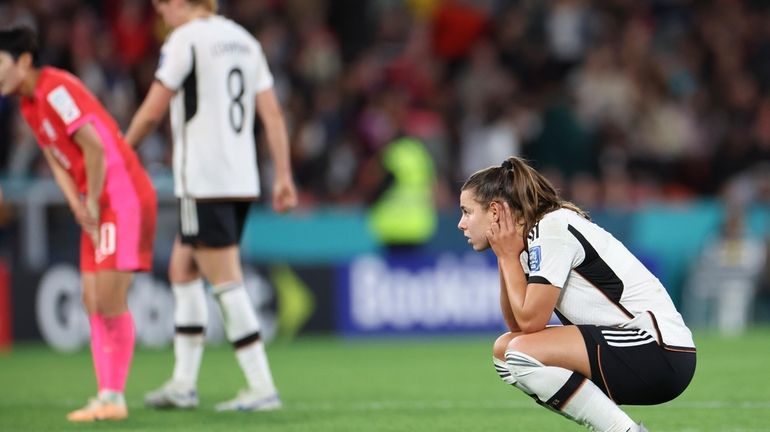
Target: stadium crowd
{"type": "Point", "coordinates": [618, 101]}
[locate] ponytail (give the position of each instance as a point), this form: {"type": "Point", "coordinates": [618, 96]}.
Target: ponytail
{"type": "Point", "coordinates": [528, 193]}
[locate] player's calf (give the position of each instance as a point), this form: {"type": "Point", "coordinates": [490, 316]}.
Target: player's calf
{"type": "Point", "coordinates": [242, 330]}
{"type": "Point", "coordinates": [568, 393]}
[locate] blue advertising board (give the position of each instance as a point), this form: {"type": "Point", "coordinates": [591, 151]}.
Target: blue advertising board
{"type": "Point", "coordinates": [418, 294]}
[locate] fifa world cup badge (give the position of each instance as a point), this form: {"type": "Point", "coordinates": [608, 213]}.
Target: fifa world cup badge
{"type": "Point", "coordinates": [534, 259]}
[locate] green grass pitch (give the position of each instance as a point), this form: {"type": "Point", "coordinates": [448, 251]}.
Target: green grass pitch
{"type": "Point", "coordinates": [329, 384]}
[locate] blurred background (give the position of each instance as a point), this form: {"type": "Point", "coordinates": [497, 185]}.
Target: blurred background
{"type": "Point", "coordinates": [652, 115]}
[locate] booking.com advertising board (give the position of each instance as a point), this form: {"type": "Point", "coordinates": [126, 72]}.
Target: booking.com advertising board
{"type": "Point", "coordinates": [418, 294]}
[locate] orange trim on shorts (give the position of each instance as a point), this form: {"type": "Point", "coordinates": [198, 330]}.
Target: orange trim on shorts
{"type": "Point", "coordinates": [601, 371]}
{"type": "Point", "coordinates": [679, 349]}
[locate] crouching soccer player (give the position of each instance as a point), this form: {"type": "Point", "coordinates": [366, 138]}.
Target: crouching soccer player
{"type": "Point", "coordinates": [622, 342]}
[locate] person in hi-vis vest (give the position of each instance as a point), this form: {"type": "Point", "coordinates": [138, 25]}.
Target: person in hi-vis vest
{"type": "Point", "coordinates": [402, 212]}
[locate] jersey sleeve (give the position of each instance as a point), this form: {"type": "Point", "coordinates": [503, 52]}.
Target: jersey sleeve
{"type": "Point", "coordinates": [175, 63]}
{"type": "Point", "coordinates": [552, 252]}
{"type": "Point", "coordinates": [264, 78]}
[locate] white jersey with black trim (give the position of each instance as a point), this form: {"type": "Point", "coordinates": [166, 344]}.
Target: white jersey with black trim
{"type": "Point", "coordinates": [601, 281]}
{"type": "Point", "coordinates": [216, 69]}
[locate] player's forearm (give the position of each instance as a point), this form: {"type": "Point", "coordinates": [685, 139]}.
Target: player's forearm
{"type": "Point", "coordinates": [515, 288]}
{"type": "Point", "coordinates": [69, 190]}
{"type": "Point", "coordinates": [270, 114]}
{"type": "Point", "coordinates": [150, 113]}
{"type": "Point", "coordinates": [141, 126]}
{"type": "Point", "coordinates": [505, 307]}
{"type": "Point", "coordinates": [278, 145]}
{"type": "Point", "coordinates": [65, 182]}
{"type": "Point", "coordinates": [93, 158]}
{"type": "Point", "coordinates": [96, 169]}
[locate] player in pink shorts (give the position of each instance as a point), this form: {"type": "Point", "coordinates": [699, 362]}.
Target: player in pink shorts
{"type": "Point", "coordinates": [110, 195]}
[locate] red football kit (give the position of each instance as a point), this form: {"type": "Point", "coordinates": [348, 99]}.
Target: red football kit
{"type": "Point", "coordinates": [60, 106]}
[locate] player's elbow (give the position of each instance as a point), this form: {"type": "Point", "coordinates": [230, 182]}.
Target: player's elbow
{"type": "Point", "coordinates": [152, 124]}
{"type": "Point", "coordinates": [532, 324]}
{"type": "Point", "coordinates": [527, 328]}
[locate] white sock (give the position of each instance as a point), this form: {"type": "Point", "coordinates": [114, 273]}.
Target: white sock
{"type": "Point", "coordinates": [190, 320]}
{"type": "Point", "coordinates": [253, 361]}
{"type": "Point", "coordinates": [569, 393]}
{"type": "Point", "coordinates": [242, 330]}
{"type": "Point", "coordinates": [501, 368]}
{"type": "Point", "coordinates": [114, 397]}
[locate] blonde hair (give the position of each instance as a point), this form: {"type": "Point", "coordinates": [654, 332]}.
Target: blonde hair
{"type": "Point", "coordinates": [529, 194]}
{"type": "Point", "coordinates": [210, 5]}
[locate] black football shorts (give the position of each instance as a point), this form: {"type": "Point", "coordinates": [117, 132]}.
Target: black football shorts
{"type": "Point", "coordinates": [212, 223]}
{"type": "Point", "coordinates": [631, 368]}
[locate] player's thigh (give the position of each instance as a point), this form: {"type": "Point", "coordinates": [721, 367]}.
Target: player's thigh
{"type": "Point", "coordinates": [561, 346]}
{"type": "Point", "coordinates": [213, 229]}
{"type": "Point", "coordinates": [219, 265]}
{"type": "Point", "coordinates": [88, 293]}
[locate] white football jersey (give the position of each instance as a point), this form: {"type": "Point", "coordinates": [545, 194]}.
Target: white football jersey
{"type": "Point", "coordinates": [601, 281]}
{"type": "Point", "coordinates": [216, 68]}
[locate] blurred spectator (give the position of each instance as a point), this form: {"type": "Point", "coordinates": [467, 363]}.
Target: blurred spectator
{"type": "Point", "coordinates": [132, 29]}
{"type": "Point", "coordinates": [403, 214]}
{"type": "Point", "coordinates": [457, 25]}
{"type": "Point", "coordinates": [673, 95]}
{"type": "Point", "coordinates": [762, 305]}
{"type": "Point", "coordinates": [723, 281]}
{"type": "Point", "coordinates": [568, 30]}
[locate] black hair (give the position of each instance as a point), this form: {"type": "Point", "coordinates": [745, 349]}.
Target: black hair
{"type": "Point", "coordinates": [19, 40]}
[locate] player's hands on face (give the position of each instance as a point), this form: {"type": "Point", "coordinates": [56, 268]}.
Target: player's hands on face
{"type": "Point", "coordinates": [284, 195]}
{"type": "Point", "coordinates": [506, 235]}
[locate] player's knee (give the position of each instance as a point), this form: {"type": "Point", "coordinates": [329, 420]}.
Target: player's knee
{"type": "Point", "coordinates": [519, 357]}
{"type": "Point", "coordinates": [178, 274]}
{"type": "Point", "coordinates": [501, 345]}
{"type": "Point", "coordinates": [521, 343]}
{"type": "Point", "coordinates": [88, 302]}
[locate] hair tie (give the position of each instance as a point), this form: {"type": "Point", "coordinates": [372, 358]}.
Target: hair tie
{"type": "Point", "coordinates": [507, 165]}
